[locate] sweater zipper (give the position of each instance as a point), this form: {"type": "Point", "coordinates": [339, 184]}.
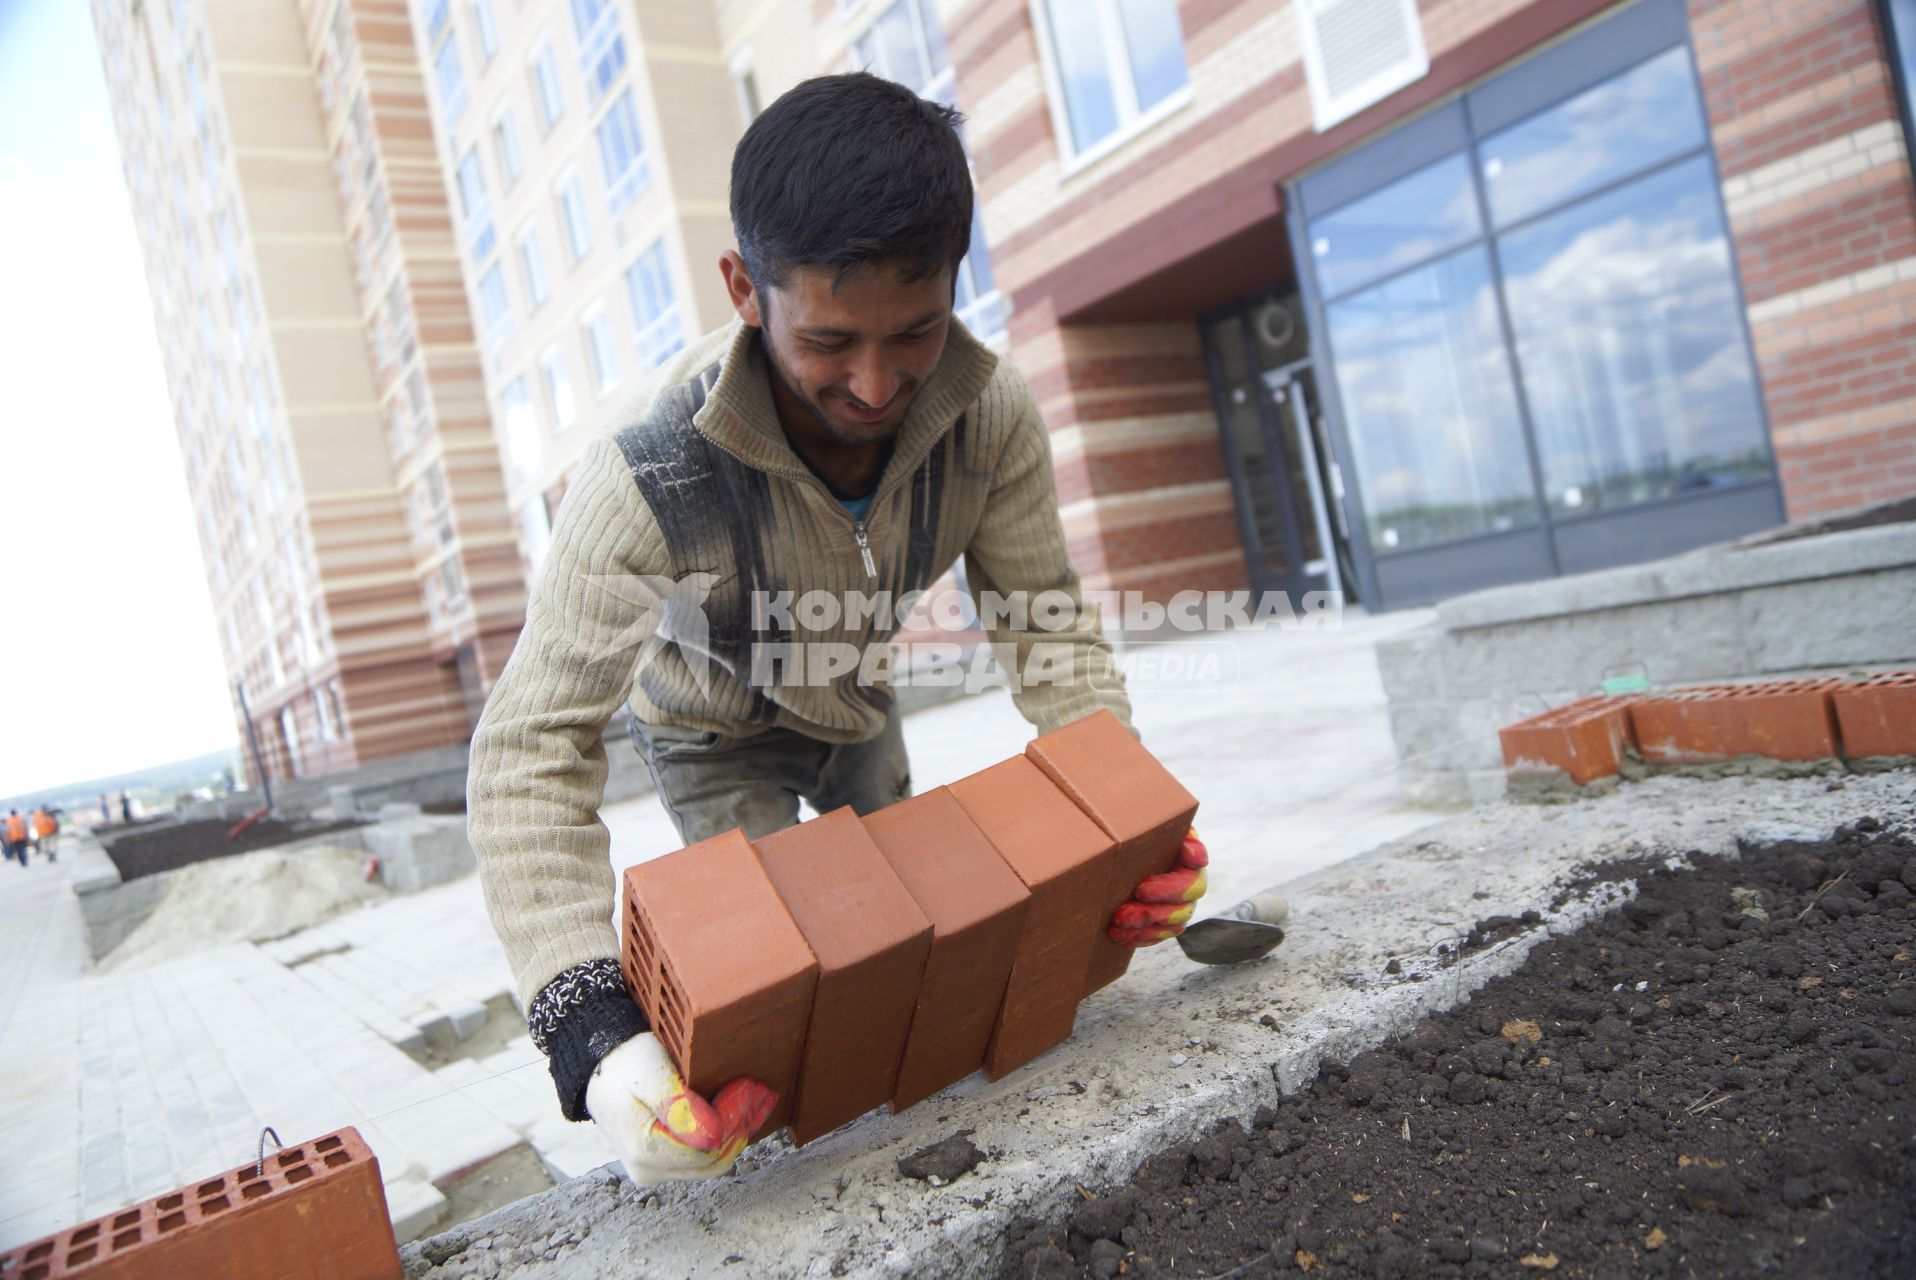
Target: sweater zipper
{"type": "Point", "coordinates": [864, 548]}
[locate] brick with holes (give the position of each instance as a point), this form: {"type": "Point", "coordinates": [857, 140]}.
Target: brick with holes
{"type": "Point", "coordinates": [720, 967]}
{"type": "Point", "coordinates": [315, 1211]}
{"type": "Point", "coordinates": [1877, 716]}
{"type": "Point", "coordinates": [1134, 800]}
{"type": "Point", "coordinates": [871, 941]}
{"type": "Point", "coordinates": [1706, 723]}
{"type": "Point", "coordinates": [1064, 859]}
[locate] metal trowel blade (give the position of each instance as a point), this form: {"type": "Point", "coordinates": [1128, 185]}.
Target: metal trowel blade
{"type": "Point", "coordinates": [1222, 940]}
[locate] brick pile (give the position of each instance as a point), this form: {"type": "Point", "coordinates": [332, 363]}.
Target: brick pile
{"type": "Point", "coordinates": [850, 963]}
{"type": "Point", "coordinates": [1869, 722]}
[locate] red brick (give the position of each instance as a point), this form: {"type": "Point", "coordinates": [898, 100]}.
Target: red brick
{"type": "Point", "coordinates": [976, 905]}
{"type": "Point", "coordinates": [1877, 717]}
{"type": "Point", "coordinates": [1584, 740]}
{"type": "Point", "coordinates": [1779, 720]}
{"type": "Point", "coordinates": [871, 941]}
{"type": "Point", "coordinates": [316, 1211]}
{"type": "Point", "coordinates": [1134, 800]}
{"type": "Point", "coordinates": [722, 1010]}
{"type": "Point", "coordinates": [1065, 861]}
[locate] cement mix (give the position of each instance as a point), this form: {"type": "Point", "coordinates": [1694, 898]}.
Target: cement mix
{"type": "Point", "coordinates": [1160, 1055]}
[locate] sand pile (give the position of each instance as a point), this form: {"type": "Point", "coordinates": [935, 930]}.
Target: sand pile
{"type": "Point", "coordinates": [250, 897]}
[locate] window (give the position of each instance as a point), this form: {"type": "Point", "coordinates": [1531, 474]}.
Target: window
{"type": "Point", "coordinates": [399, 309]}
{"type": "Point", "coordinates": [524, 453]}
{"type": "Point", "coordinates": [572, 216]}
{"type": "Point", "coordinates": [1357, 52]}
{"type": "Point", "coordinates": [905, 43]}
{"type": "Point", "coordinates": [495, 305]}
{"type": "Point", "coordinates": [622, 152]}
{"type": "Point", "coordinates": [289, 731]}
{"type": "Point", "coordinates": [1115, 62]}
{"type": "Point", "coordinates": [1590, 230]}
{"type": "Point", "coordinates": [505, 145]}
{"type": "Point", "coordinates": [537, 530]}
{"type": "Point", "coordinates": [532, 262]}
{"type": "Point", "coordinates": [418, 401]}
{"type": "Point", "coordinates": [474, 208]}
{"type": "Point", "coordinates": [558, 388]}
{"type": "Point", "coordinates": [448, 72]}
{"type": "Point", "coordinates": [601, 46]}
{"type": "Point", "coordinates": [599, 350]}
{"type": "Point", "coordinates": [655, 309]}
{"type": "Point", "coordinates": [485, 32]}
{"type": "Point", "coordinates": [546, 93]}
{"type": "Point", "coordinates": [1899, 25]}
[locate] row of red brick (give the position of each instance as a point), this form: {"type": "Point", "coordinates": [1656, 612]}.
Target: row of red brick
{"type": "Point", "coordinates": [316, 1211]}
{"type": "Point", "coordinates": [851, 963]}
{"type": "Point", "coordinates": [1818, 719]}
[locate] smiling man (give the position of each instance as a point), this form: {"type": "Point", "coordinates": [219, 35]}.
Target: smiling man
{"type": "Point", "coordinates": [844, 438]}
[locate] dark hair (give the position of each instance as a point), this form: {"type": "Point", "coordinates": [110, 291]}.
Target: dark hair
{"type": "Point", "coordinates": [848, 170]}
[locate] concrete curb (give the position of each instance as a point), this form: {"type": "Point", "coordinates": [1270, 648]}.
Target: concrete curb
{"type": "Point", "coordinates": [1156, 1058]}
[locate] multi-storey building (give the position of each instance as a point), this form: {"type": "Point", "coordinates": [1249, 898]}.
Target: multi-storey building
{"type": "Point", "coordinates": [303, 349]}
{"type": "Point", "coordinates": [1414, 296]}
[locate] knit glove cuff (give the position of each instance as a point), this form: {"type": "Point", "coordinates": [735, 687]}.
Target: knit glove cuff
{"type": "Point", "coordinates": [578, 1018]}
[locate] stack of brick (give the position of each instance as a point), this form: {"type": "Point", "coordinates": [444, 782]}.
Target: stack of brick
{"type": "Point", "coordinates": [1807, 722]}
{"type": "Point", "coordinates": [849, 963]}
{"type": "Point", "coordinates": [317, 1210]}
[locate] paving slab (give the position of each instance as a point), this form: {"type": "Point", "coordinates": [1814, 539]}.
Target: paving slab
{"type": "Point", "coordinates": [1159, 1055]}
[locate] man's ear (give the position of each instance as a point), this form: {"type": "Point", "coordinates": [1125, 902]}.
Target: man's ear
{"type": "Point", "coordinates": [739, 288]}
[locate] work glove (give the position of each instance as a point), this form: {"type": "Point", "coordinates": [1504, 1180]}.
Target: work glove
{"type": "Point", "coordinates": [1161, 906]}
{"type": "Point", "coordinates": [661, 1130]}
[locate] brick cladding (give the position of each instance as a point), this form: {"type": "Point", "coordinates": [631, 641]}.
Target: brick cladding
{"type": "Point", "coordinates": [1816, 179]}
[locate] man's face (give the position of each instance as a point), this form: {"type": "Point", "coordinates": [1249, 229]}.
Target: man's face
{"type": "Point", "coordinates": [853, 357]}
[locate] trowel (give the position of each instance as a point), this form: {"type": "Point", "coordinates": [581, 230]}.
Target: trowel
{"type": "Point", "coordinates": [1249, 931]}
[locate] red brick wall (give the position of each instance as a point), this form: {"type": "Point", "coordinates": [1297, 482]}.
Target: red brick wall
{"type": "Point", "coordinates": [1816, 180]}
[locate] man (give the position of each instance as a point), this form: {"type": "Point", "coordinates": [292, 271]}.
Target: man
{"type": "Point", "coordinates": [46, 830]}
{"type": "Point", "coordinates": [16, 836]}
{"type": "Point", "coordinates": [843, 435]}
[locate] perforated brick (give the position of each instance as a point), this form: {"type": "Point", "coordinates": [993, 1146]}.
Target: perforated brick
{"type": "Point", "coordinates": [717, 963]}
{"type": "Point", "coordinates": [1778, 720]}
{"type": "Point", "coordinates": [1583, 741]}
{"type": "Point", "coordinates": [316, 1211]}
{"type": "Point", "coordinates": [1135, 801]}
{"type": "Point", "coordinates": [1877, 717]}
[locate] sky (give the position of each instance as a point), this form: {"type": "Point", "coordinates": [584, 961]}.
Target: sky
{"type": "Point", "coordinates": [109, 656]}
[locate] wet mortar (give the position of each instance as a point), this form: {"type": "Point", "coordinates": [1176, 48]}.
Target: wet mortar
{"type": "Point", "coordinates": [1716, 1079]}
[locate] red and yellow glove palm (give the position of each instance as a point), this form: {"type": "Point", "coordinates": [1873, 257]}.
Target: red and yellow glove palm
{"type": "Point", "coordinates": [1161, 906]}
{"type": "Point", "coordinates": [660, 1129]}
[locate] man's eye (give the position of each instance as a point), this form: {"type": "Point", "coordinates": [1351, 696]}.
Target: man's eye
{"type": "Point", "coordinates": [917, 337]}
{"type": "Point", "coordinates": [830, 348]}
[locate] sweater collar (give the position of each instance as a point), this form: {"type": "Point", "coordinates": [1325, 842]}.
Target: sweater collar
{"type": "Point", "coordinates": [739, 416]}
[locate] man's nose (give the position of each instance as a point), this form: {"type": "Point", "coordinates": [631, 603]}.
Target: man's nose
{"type": "Point", "coordinates": [872, 378]}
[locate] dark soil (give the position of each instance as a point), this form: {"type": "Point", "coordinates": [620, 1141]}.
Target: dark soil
{"type": "Point", "coordinates": [1715, 1080]}
{"type": "Point", "coordinates": [174, 845]}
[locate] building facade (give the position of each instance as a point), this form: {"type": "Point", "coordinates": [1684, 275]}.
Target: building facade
{"type": "Point", "coordinates": [273, 218]}
{"type": "Point", "coordinates": [1410, 297]}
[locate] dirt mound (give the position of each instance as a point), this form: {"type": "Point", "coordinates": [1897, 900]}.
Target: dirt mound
{"type": "Point", "coordinates": [1714, 1080]}
{"type": "Point", "coordinates": [250, 897]}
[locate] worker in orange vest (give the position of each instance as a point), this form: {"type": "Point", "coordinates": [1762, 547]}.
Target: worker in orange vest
{"type": "Point", "coordinates": [16, 833]}
{"type": "Point", "coordinates": [46, 829]}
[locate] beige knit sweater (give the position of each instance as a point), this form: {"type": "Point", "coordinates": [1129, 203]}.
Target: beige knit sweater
{"type": "Point", "coordinates": [694, 495]}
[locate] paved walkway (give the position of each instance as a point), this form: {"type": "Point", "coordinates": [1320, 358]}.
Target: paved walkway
{"type": "Point", "coordinates": [120, 1086]}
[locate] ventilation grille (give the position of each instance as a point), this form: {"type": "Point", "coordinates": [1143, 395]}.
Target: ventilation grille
{"type": "Point", "coordinates": [1357, 52]}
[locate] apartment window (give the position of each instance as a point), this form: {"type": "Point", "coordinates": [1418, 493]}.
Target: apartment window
{"type": "Point", "coordinates": [229, 251]}
{"type": "Point", "coordinates": [475, 208]}
{"type": "Point", "coordinates": [1114, 63]}
{"type": "Point", "coordinates": [524, 453]}
{"type": "Point", "coordinates": [905, 43]}
{"type": "Point", "coordinates": [601, 45]}
{"type": "Point", "coordinates": [532, 261]}
{"type": "Point", "coordinates": [485, 32]}
{"type": "Point", "coordinates": [495, 305]}
{"type": "Point", "coordinates": [364, 140]}
{"type": "Point", "coordinates": [447, 71]}
{"type": "Point", "coordinates": [288, 729]}
{"type": "Point", "coordinates": [537, 524]}
{"type": "Point", "coordinates": [622, 152]}
{"type": "Point", "coordinates": [418, 400]}
{"type": "Point", "coordinates": [558, 388]}
{"type": "Point", "coordinates": [572, 216]}
{"type": "Point", "coordinates": [599, 351]}
{"type": "Point", "coordinates": [655, 309]}
{"type": "Point", "coordinates": [399, 308]}
{"type": "Point", "coordinates": [505, 144]}
{"type": "Point", "coordinates": [546, 93]}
